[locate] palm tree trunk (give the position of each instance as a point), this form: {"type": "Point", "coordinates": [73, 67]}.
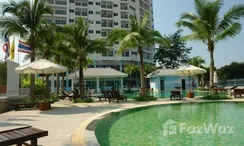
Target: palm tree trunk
{"type": "Point", "coordinates": [143, 87]}
{"type": "Point", "coordinates": [57, 83]}
{"type": "Point", "coordinates": [63, 82]}
{"type": "Point", "coordinates": [130, 81]}
{"type": "Point", "coordinates": [81, 79]}
{"type": "Point", "coordinates": [32, 76]}
{"type": "Point", "coordinates": [211, 72]}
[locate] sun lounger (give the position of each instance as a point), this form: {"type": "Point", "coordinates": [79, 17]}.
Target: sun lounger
{"type": "Point", "coordinates": [239, 92]}
{"type": "Point", "coordinates": [116, 95]}
{"type": "Point", "coordinates": [70, 96]}
{"type": "Point", "coordinates": [176, 95]}
{"type": "Point", "coordinates": [20, 136]}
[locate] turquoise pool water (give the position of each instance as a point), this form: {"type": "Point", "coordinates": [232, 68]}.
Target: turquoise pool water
{"type": "Point", "coordinates": [155, 125]}
{"type": "Point", "coordinates": [166, 94]}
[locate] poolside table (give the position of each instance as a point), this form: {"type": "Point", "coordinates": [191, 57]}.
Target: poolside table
{"type": "Point", "coordinates": [19, 136]}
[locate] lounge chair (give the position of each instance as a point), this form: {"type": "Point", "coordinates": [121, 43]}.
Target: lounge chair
{"type": "Point", "coordinates": [116, 95]}
{"type": "Point", "coordinates": [176, 95]}
{"type": "Point", "coordinates": [70, 96]}
{"type": "Point", "coordinates": [239, 92]}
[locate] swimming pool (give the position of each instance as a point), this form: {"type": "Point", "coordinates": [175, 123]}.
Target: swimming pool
{"type": "Point", "coordinates": [175, 124]}
{"type": "Point", "coordinates": [166, 94]}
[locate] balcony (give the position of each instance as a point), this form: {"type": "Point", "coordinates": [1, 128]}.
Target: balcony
{"type": "Point", "coordinates": [125, 17]}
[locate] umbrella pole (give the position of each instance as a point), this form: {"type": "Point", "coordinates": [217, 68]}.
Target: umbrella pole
{"type": "Point", "coordinates": [189, 81]}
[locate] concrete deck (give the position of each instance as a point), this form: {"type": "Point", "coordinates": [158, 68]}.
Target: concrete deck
{"type": "Point", "coordinates": [65, 118]}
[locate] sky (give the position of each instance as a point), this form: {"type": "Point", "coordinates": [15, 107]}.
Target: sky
{"type": "Point", "coordinates": [167, 13]}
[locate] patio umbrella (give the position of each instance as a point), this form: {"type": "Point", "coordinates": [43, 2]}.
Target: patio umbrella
{"type": "Point", "coordinates": [41, 66]}
{"type": "Point", "coordinates": [190, 70]}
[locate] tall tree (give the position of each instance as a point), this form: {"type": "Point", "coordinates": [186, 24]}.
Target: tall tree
{"type": "Point", "coordinates": [131, 69]}
{"type": "Point", "coordinates": [174, 55]}
{"type": "Point", "coordinates": [234, 70]}
{"type": "Point", "coordinates": [207, 25]}
{"type": "Point", "coordinates": [25, 19]}
{"type": "Point", "coordinates": [80, 45]}
{"type": "Point", "coordinates": [138, 37]}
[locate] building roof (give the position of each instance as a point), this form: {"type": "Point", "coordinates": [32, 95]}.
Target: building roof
{"type": "Point", "coordinates": [163, 72]}
{"type": "Point", "coordinates": [99, 72]}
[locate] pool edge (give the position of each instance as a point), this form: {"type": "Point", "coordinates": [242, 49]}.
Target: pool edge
{"type": "Point", "coordinates": [83, 137]}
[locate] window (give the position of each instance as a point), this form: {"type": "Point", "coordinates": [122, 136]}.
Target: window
{"type": "Point", "coordinates": [116, 43]}
{"type": "Point", "coordinates": [71, 10]}
{"type": "Point", "coordinates": [126, 54]}
{"type": "Point", "coordinates": [72, 1]}
{"type": "Point", "coordinates": [104, 34]}
{"type": "Point", "coordinates": [60, 22]}
{"type": "Point", "coordinates": [133, 1]}
{"type": "Point", "coordinates": [115, 14]}
{"type": "Point", "coordinates": [98, 22]}
{"type": "Point", "coordinates": [90, 31]}
{"type": "Point", "coordinates": [90, 21]}
{"type": "Point", "coordinates": [134, 53]}
{"type": "Point", "coordinates": [98, 32]}
{"type": "Point", "coordinates": [71, 20]}
{"type": "Point", "coordinates": [98, 3]}
{"type": "Point", "coordinates": [116, 23]}
{"type": "Point", "coordinates": [98, 12]}
{"type": "Point", "coordinates": [111, 53]}
{"type": "Point", "coordinates": [132, 8]}
{"type": "Point", "coordinates": [90, 12]}
{"type": "Point", "coordinates": [60, 12]}
{"type": "Point", "coordinates": [115, 5]}
{"type": "Point", "coordinates": [60, 2]}
{"type": "Point", "coordinates": [90, 3]}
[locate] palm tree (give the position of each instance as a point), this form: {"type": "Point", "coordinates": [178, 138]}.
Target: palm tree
{"type": "Point", "coordinates": [131, 69]}
{"type": "Point", "coordinates": [138, 37]}
{"type": "Point", "coordinates": [196, 61]}
{"type": "Point", "coordinates": [149, 68]}
{"type": "Point", "coordinates": [80, 45]}
{"type": "Point", "coordinates": [25, 19]}
{"type": "Point", "coordinates": [207, 26]}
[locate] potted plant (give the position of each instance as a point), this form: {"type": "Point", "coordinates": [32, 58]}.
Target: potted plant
{"type": "Point", "coordinates": [44, 104]}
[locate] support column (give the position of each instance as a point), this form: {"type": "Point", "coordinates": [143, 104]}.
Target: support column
{"type": "Point", "coordinates": [52, 83]}
{"type": "Point", "coordinates": [95, 63]}
{"type": "Point", "coordinates": [72, 84]}
{"type": "Point", "coordinates": [121, 85]}
{"type": "Point", "coordinates": [98, 86]}
{"type": "Point", "coordinates": [120, 65]}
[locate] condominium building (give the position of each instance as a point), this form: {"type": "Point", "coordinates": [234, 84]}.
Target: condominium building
{"type": "Point", "coordinates": [105, 15]}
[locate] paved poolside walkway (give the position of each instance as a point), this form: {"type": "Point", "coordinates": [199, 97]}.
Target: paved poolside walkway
{"type": "Point", "coordinates": [64, 117]}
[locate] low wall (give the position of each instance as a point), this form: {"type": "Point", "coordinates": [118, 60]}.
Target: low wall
{"type": "Point", "coordinates": [5, 104]}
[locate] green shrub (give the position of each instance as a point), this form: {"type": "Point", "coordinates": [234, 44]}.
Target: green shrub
{"type": "Point", "coordinates": [54, 98]}
{"type": "Point", "coordinates": [145, 98]}
{"type": "Point", "coordinates": [38, 84]}
{"type": "Point", "coordinates": [78, 100]}
{"type": "Point", "coordinates": [215, 96]}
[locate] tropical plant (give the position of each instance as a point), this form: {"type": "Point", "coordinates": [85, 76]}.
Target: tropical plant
{"type": "Point", "coordinates": [138, 37]}
{"type": "Point", "coordinates": [3, 73]}
{"type": "Point", "coordinates": [77, 39]}
{"type": "Point", "coordinates": [198, 61]}
{"type": "Point", "coordinates": [174, 55]}
{"type": "Point", "coordinates": [25, 19]}
{"type": "Point", "coordinates": [207, 25]}
{"type": "Point", "coordinates": [131, 69]}
{"type": "Point", "coordinates": [149, 68]}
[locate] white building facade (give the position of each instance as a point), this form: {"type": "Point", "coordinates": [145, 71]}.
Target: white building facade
{"type": "Point", "coordinates": [105, 15]}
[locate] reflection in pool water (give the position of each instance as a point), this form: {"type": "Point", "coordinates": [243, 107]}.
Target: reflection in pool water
{"type": "Point", "coordinates": [167, 94]}
{"type": "Point", "coordinates": [146, 126]}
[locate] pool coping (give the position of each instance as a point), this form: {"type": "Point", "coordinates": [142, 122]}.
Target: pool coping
{"type": "Point", "coordinates": [84, 135]}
